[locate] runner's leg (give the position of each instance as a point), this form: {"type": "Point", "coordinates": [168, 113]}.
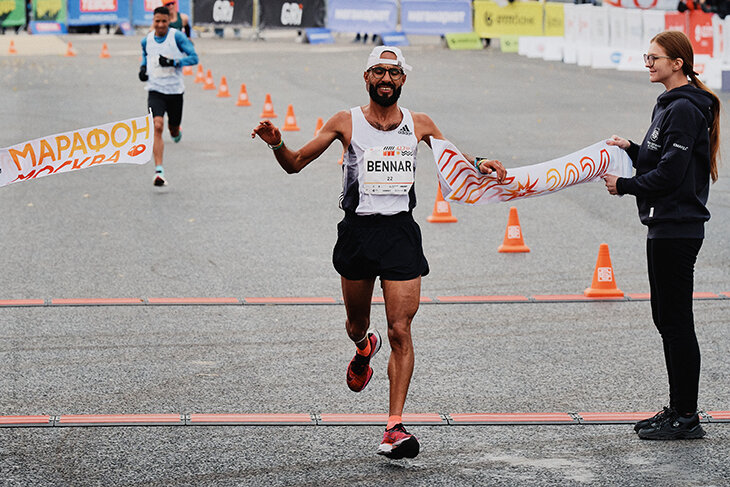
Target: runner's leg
{"type": "Point", "coordinates": [358, 296]}
{"type": "Point", "coordinates": [402, 299]}
{"type": "Point", "coordinates": [158, 146]}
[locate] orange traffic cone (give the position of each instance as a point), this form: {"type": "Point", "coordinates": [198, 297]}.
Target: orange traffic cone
{"type": "Point", "coordinates": [290, 122]}
{"type": "Point", "coordinates": [604, 285]}
{"type": "Point", "coordinates": [441, 210]}
{"type": "Point", "coordinates": [223, 90]}
{"type": "Point", "coordinates": [104, 52]}
{"type": "Point", "coordinates": [342, 158]}
{"type": "Point", "coordinates": [200, 77]}
{"type": "Point", "coordinates": [187, 70]}
{"type": "Point", "coordinates": [243, 100]}
{"type": "Point", "coordinates": [513, 234]}
{"type": "Point", "coordinates": [11, 48]}
{"type": "Point", "coordinates": [320, 122]}
{"type": "Point", "coordinates": [268, 111]}
{"type": "Point", "coordinates": [70, 51]}
{"type": "Point", "coordinates": [209, 85]}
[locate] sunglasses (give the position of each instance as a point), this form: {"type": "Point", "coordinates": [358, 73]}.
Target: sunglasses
{"type": "Point", "coordinates": [395, 73]}
{"type": "Point", "coordinates": [650, 59]}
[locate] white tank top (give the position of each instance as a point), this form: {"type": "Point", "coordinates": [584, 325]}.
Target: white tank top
{"type": "Point", "coordinates": [379, 167]}
{"type": "Point", "coordinates": [168, 79]}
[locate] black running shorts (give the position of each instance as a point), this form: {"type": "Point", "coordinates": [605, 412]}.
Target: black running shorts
{"type": "Point", "coordinates": [161, 103]}
{"type": "Point", "coordinates": [377, 245]}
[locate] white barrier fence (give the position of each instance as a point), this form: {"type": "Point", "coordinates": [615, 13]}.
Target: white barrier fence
{"type": "Point", "coordinates": [607, 37]}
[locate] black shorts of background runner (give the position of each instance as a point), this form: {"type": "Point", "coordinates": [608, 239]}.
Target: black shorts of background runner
{"type": "Point", "coordinates": [377, 245]}
{"type": "Point", "coordinates": [161, 103]}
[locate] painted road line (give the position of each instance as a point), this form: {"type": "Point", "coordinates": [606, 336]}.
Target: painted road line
{"type": "Point", "coordinates": [482, 299]}
{"type": "Point", "coordinates": [718, 416]}
{"type": "Point", "coordinates": [567, 298]}
{"type": "Point", "coordinates": [200, 301]}
{"type": "Point", "coordinates": [337, 419]}
{"type": "Point", "coordinates": [22, 302]}
{"type": "Point", "coordinates": [705, 296]}
{"type": "Point", "coordinates": [120, 420]}
{"type": "Point", "coordinates": [326, 300]}
{"type": "Point", "coordinates": [26, 421]}
{"type": "Point", "coordinates": [95, 301]}
{"type": "Point", "coordinates": [291, 300]}
{"type": "Point", "coordinates": [512, 418]}
{"type": "Point", "coordinates": [275, 419]}
{"type": "Point", "coordinates": [639, 296]}
{"type": "Point", "coordinates": [613, 418]}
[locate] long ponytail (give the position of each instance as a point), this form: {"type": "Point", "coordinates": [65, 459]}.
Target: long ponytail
{"type": "Point", "coordinates": [678, 46]}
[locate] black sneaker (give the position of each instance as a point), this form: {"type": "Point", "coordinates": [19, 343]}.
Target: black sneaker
{"type": "Point", "coordinates": [657, 418]}
{"type": "Point", "coordinates": [160, 179]}
{"type": "Point", "coordinates": [674, 427]}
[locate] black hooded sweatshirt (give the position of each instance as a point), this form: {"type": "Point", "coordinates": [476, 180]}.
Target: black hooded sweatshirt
{"type": "Point", "coordinates": [672, 164]}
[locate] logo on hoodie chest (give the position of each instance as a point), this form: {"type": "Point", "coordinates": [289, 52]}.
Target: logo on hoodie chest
{"type": "Point", "coordinates": [651, 143]}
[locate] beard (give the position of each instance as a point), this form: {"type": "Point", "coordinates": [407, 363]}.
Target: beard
{"type": "Point", "coordinates": [384, 101]}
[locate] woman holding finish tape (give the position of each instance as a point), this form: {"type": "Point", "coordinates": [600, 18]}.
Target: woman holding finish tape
{"type": "Point", "coordinates": [674, 165]}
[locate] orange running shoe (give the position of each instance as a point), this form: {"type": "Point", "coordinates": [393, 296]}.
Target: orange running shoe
{"type": "Point", "coordinates": [359, 371]}
{"type": "Point", "coordinates": [398, 443]}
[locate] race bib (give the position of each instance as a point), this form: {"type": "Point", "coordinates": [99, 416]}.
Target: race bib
{"type": "Point", "coordinates": [389, 170]}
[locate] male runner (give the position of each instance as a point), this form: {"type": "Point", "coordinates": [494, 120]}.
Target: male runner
{"type": "Point", "coordinates": [378, 236]}
{"type": "Point", "coordinates": [165, 51]}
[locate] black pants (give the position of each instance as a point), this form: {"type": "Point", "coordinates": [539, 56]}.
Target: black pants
{"type": "Point", "coordinates": [671, 281]}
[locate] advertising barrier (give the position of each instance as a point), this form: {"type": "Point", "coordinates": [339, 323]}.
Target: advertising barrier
{"type": "Point", "coordinates": [700, 32]}
{"type": "Point", "coordinates": [435, 17]}
{"type": "Point", "coordinates": [142, 10]}
{"type": "Point", "coordinates": [614, 37]}
{"type": "Point", "coordinates": [371, 16]}
{"type": "Point", "coordinates": [517, 18]}
{"type": "Point", "coordinates": [643, 4]}
{"type": "Point", "coordinates": [12, 13]}
{"type": "Point", "coordinates": [554, 19]}
{"type": "Point", "coordinates": [92, 12]}
{"type": "Point", "coordinates": [284, 13]}
{"type": "Point", "coordinates": [675, 21]}
{"type": "Point", "coordinates": [47, 28]}
{"type": "Point", "coordinates": [223, 12]}
{"type": "Point", "coordinates": [51, 10]}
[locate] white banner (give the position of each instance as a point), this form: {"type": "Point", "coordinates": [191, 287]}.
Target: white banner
{"type": "Point", "coordinates": [461, 182]}
{"type": "Point", "coordinates": [618, 18]}
{"type": "Point", "coordinates": [654, 24]}
{"type": "Point", "coordinates": [128, 141]}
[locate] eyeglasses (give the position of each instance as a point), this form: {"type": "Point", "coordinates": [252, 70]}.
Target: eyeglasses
{"type": "Point", "coordinates": [395, 73]}
{"type": "Point", "coordinates": [649, 59]}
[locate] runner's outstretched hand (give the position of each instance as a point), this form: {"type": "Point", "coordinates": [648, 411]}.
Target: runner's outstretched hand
{"type": "Point", "coordinates": [267, 131]}
{"type": "Point", "coordinates": [488, 166]}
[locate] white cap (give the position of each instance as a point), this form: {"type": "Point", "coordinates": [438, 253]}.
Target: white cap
{"type": "Point", "coordinates": [374, 57]}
